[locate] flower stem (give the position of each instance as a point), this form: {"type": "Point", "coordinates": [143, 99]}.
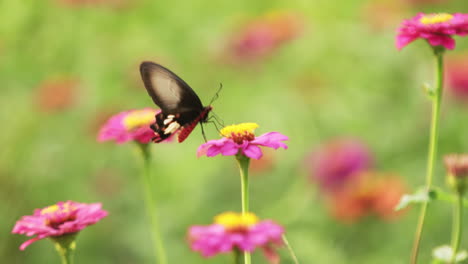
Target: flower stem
{"type": "Point", "coordinates": [237, 257]}
{"type": "Point", "coordinates": [433, 140]}
{"type": "Point", "coordinates": [291, 251]}
{"type": "Point", "coordinates": [150, 205]}
{"type": "Point", "coordinates": [65, 246]}
{"type": "Point", "coordinates": [457, 226]}
{"type": "Point", "coordinates": [243, 163]}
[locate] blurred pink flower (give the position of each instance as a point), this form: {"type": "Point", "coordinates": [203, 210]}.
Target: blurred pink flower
{"type": "Point", "coordinates": [382, 14]}
{"type": "Point", "coordinates": [241, 139]}
{"type": "Point", "coordinates": [263, 36]}
{"type": "Point", "coordinates": [110, 3]}
{"type": "Point", "coordinates": [55, 95]}
{"type": "Point", "coordinates": [338, 162]}
{"type": "Point", "coordinates": [235, 231]}
{"type": "Point", "coordinates": [129, 125]}
{"type": "Point", "coordinates": [457, 76]}
{"type": "Point", "coordinates": [374, 193]}
{"type": "Point", "coordinates": [57, 220]}
{"type": "Point", "coordinates": [421, 2]}
{"type": "Point", "coordinates": [438, 29]}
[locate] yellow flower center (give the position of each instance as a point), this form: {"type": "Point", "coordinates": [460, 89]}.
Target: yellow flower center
{"type": "Point", "coordinates": [49, 209]}
{"type": "Point", "coordinates": [240, 132]}
{"type": "Point", "coordinates": [138, 118]}
{"type": "Point", "coordinates": [236, 221]}
{"type": "Point", "coordinates": [66, 207]}
{"type": "Point", "coordinates": [435, 18]}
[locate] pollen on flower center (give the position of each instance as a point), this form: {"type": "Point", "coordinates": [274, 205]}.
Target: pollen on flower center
{"type": "Point", "coordinates": [50, 209]}
{"type": "Point", "coordinates": [435, 18]}
{"type": "Point", "coordinates": [240, 132]}
{"type": "Point", "coordinates": [138, 118]}
{"type": "Point", "coordinates": [236, 221]}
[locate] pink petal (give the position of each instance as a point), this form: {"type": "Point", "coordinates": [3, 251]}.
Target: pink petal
{"type": "Point", "coordinates": [403, 40]}
{"type": "Point", "coordinates": [271, 140]}
{"type": "Point", "coordinates": [29, 242]}
{"type": "Point", "coordinates": [445, 41]}
{"type": "Point", "coordinates": [271, 255]}
{"type": "Point", "coordinates": [252, 151]}
{"type": "Point", "coordinates": [223, 146]}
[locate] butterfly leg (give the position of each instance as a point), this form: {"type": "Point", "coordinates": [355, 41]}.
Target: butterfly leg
{"type": "Point", "coordinates": [203, 132]}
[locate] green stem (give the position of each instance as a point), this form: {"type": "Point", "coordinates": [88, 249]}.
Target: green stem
{"type": "Point", "coordinates": [65, 246]}
{"type": "Point", "coordinates": [150, 205]}
{"type": "Point", "coordinates": [433, 140]}
{"type": "Point", "coordinates": [243, 163]}
{"type": "Point", "coordinates": [457, 227]}
{"type": "Point", "coordinates": [237, 257]}
{"type": "Point", "coordinates": [291, 251]}
{"type": "Point", "coordinates": [66, 255]}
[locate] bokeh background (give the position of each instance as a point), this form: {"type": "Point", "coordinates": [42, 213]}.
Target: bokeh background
{"type": "Point", "coordinates": [318, 71]}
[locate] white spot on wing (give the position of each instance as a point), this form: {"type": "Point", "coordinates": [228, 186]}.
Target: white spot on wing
{"type": "Point", "coordinates": [171, 128]}
{"type": "Point", "coordinates": [168, 119]}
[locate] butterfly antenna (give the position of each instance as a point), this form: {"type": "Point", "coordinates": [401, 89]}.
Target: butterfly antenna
{"type": "Point", "coordinates": [216, 96]}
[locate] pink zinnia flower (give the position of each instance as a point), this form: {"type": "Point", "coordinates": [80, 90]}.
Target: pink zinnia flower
{"type": "Point", "coordinates": [57, 220]}
{"type": "Point", "coordinates": [129, 125]}
{"type": "Point", "coordinates": [437, 29]}
{"type": "Point", "coordinates": [241, 139]}
{"type": "Point", "coordinates": [338, 162]}
{"type": "Point", "coordinates": [261, 37]}
{"type": "Point", "coordinates": [234, 231]}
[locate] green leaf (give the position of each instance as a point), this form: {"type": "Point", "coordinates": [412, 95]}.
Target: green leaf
{"type": "Point", "coordinates": [422, 196]}
{"type": "Point", "coordinates": [418, 197]}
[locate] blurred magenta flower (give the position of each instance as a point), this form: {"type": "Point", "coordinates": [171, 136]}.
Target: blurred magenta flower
{"type": "Point", "coordinates": [241, 139]}
{"type": "Point", "coordinates": [372, 194]}
{"type": "Point", "coordinates": [457, 76]}
{"type": "Point", "coordinates": [58, 220]}
{"type": "Point", "coordinates": [438, 29]}
{"type": "Point", "coordinates": [338, 162]}
{"type": "Point", "coordinates": [264, 35]}
{"type": "Point", "coordinates": [236, 231]}
{"type": "Point", "coordinates": [129, 125]}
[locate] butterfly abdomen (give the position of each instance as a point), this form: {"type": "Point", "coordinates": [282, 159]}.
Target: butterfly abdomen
{"type": "Point", "coordinates": [187, 129]}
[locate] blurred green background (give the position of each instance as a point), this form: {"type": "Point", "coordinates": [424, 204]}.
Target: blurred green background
{"type": "Point", "coordinates": [340, 77]}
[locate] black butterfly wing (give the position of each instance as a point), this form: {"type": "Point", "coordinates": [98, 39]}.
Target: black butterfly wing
{"type": "Point", "coordinates": [168, 90]}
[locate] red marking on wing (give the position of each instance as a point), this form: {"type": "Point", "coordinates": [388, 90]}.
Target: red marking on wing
{"type": "Point", "coordinates": [187, 129]}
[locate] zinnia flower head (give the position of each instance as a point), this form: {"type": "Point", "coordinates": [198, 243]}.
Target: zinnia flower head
{"type": "Point", "coordinates": [338, 162]}
{"type": "Point", "coordinates": [438, 29]}
{"type": "Point", "coordinates": [373, 194]}
{"type": "Point", "coordinates": [240, 139]}
{"type": "Point", "coordinates": [236, 231]}
{"type": "Point", "coordinates": [129, 125]}
{"type": "Point", "coordinates": [57, 220]}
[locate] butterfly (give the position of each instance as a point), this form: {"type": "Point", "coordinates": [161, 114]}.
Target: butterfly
{"type": "Point", "coordinates": [181, 109]}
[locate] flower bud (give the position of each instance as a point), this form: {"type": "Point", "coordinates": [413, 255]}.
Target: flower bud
{"type": "Point", "coordinates": [457, 171]}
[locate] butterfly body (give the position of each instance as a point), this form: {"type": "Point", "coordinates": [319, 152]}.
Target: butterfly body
{"type": "Point", "coordinates": [181, 109]}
